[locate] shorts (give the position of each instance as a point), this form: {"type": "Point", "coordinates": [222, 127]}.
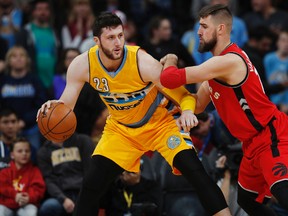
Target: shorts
{"type": "Point", "coordinates": [269, 164]}
{"type": "Point", "coordinates": [125, 145]}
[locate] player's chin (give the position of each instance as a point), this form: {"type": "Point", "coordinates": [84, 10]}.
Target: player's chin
{"type": "Point", "coordinates": [117, 57]}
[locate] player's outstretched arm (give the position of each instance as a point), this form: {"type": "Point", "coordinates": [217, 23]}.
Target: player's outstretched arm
{"type": "Point", "coordinates": [77, 75]}
{"type": "Point", "coordinates": [220, 67]}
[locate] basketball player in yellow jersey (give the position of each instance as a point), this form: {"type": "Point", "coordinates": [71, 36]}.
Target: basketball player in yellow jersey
{"type": "Point", "coordinates": [127, 79]}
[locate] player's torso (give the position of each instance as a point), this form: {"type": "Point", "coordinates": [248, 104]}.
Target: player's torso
{"type": "Point", "coordinates": [244, 108]}
{"type": "Point", "coordinates": [128, 98]}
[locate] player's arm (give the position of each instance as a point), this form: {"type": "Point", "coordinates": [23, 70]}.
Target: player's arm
{"type": "Point", "coordinates": [150, 70]}
{"type": "Point", "coordinates": [77, 75]}
{"type": "Point", "coordinates": [203, 97]}
{"type": "Point", "coordinates": [221, 67]}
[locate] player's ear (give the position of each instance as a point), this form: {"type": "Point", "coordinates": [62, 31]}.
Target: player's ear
{"type": "Point", "coordinates": [221, 28]}
{"type": "Point", "coordinates": [96, 39]}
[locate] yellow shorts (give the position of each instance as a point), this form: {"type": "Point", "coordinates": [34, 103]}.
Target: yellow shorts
{"type": "Point", "coordinates": [126, 145]}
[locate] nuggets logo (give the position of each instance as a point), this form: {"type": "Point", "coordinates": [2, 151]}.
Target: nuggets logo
{"type": "Point", "coordinates": [280, 169]}
{"type": "Point", "coordinates": [173, 141]}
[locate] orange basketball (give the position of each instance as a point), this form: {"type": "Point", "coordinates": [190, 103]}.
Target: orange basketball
{"type": "Point", "coordinates": [58, 123]}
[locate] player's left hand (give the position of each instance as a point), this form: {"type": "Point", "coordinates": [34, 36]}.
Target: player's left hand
{"type": "Point", "coordinates": [187, 120]}
{"type": "Point", "coordinates": [169, 57]}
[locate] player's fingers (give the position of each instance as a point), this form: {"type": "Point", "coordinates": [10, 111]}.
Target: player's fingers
{"type": "Point", "coordinates": [194, 121]}
{"type": "Point", "coordinates": [37, 116]}
{"type": "Point", "coordinates": [184, 125]}
{"type": "Point", "coordinates": [163, 60]}
{"type": "Point", "coordinates": [178, 124]}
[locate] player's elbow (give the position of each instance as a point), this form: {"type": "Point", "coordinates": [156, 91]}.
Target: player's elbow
{"type": "Point", "coordinates": [172, 77]}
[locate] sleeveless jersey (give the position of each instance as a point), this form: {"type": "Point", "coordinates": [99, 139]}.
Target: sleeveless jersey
{"type": "Point", "coordinates": [129, 99]}
{"type": "Point", "coordinates": [244, 108]}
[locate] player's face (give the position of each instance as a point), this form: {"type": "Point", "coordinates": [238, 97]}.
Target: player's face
{"type": "Point", "coordinates": [111, 42]}
{"type": "Point", "coordinates": [21, 153]}
{"type": "Point", "coordinates": [207, 35]}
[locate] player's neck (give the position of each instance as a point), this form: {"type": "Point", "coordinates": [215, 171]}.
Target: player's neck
{"type": "Point", "coordinates": [220, 47]}
{"type": "Point", "coordinates": [111, 65]}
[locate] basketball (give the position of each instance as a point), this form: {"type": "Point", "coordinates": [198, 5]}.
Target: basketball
{"type": "Point", "coordinates": [58, 123]}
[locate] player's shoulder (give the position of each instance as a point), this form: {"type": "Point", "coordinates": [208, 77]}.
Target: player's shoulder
{"type": "Point", "coordinates": [81, 60]}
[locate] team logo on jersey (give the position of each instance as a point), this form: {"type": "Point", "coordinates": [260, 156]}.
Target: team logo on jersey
{"type": "Point", "coordinates": [244, 105]}
{"type": "Point", "coordinates": [280, 169]}
{"type": "Point", "coordinates": [173, 141]}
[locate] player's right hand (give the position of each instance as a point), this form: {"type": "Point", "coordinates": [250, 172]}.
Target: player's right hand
{"type": "Point", "coordinates": [47, 105]}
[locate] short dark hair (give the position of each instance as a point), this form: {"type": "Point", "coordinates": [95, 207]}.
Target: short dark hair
{"type": "Point", "coordinates": [215, 10]}
{"type": "Point", "coordinates": [60, 64]}
{"type": "Point", "coordinates": [7, 112]}
{"type": "Point", "coordinates": [155, 23]}
{"type": "Point", "coordinates": [35, 2]}
{"type": "Point", "coordinates": [17, 140]}
{"type": "Point", "coordinates": [106, 19]}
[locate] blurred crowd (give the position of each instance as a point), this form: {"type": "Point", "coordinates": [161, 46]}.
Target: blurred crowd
{"type": "Point", "coordinates": [38, 41]}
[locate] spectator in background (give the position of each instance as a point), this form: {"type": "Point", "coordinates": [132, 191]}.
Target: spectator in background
{"type": "Point", "coordinates": [39, 39]}
{"type": "Point", "coordinates": [11, 21]}
{"type": "Point", "coordinates": [212, 138]}
{"type": "Point", "coordinates": [161, 41]}
{"type": "Point", "coordinates": [239, 34]}
{"type": "Point", "coordinates": [59, 80]}
{"type": "Point", "coordinates": [259, 44]}
{"type": "Point", "coordinates": [63, 166]}
{"type": "Point", "coordinates": [23, 92]}
{"type": "Point", "coordinates": [228, 184]}
{"type": "Point", "coordinates": [9, 131]}
{"type": "Point", "coordinates": [276, 67]}
{"type": "Point", "coordinates": [211, 130]}
{"type": "Point", "coordinates": [78, 27]}
{"type": "Point", "coordinates": [133, 194]}
{"type": "Point", "coordinates": [22, 185]}
{"type": "Point", "coordinates": [131, 32]}
{"type": "Point", "coordinates": [264, 13]}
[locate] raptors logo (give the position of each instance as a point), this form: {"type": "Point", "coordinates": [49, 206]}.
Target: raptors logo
{"type": "Point", "coordinates": [280, 169]}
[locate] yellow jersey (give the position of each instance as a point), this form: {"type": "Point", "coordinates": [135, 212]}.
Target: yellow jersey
{"type": "Point", "coordinates": [129, 99]}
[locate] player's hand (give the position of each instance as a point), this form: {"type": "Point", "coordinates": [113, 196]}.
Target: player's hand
{"type": "Point", "coordinates": [68, 205]}
{"type": "Point", "coordinates": [172, 58]}
{"type": "Point", "coordinates": [47, 105]}
{"type": "Point", "coordinates": [187, 120]}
